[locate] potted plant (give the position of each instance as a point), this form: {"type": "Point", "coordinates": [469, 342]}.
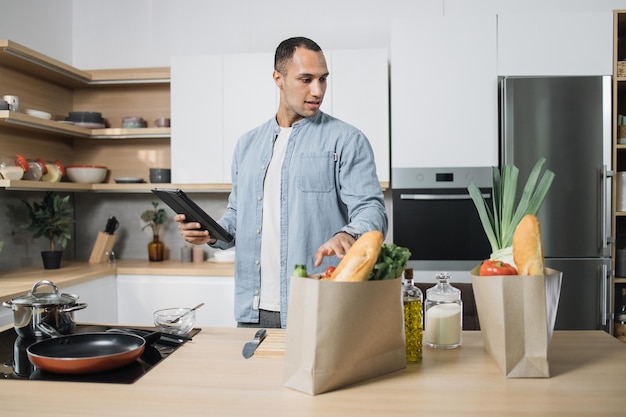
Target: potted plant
{"type": "Point", "coordinates": [154, 218]}
{"type": "Point", "coordinates": [51, 218]}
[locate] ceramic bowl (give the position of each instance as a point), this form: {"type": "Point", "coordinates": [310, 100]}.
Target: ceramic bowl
{"type": "Point", "coordinates": [162, 122]}
{"type": "Point", "coordinates": [86, 174]}
{"type": "Point", "coordinates": [38, 113]}
{"type": "Point", "coordinates": [163, 320]}
{"type": "Point", "coordinates": [85, 117]}
{"type": "Point", "coordinates": [160, 175]}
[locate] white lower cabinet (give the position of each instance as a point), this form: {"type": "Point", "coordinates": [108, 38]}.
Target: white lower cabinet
{"type": "Point", "coordinates": [138, 296]}
{"type": "Point", "coordinates": [101, 298]}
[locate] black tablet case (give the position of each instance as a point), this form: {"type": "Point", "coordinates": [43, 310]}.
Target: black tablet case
{"type": "Point", "coordinates": [180, 202]}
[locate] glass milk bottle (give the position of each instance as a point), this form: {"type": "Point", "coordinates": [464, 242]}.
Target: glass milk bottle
{"type": "Point", "coordinates": [413, 321]}
{"type": "Point", "coordinates": [443, 312]}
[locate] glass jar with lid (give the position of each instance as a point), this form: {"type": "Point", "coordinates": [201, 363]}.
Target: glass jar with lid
{"type": "Point", "coordinates": [56, 171]}
{"type": "Point", "coordinates": [443, 312]}
{"type": "Point", "coordinates": [13, 167]}
{"type": "Point", "coordinates": [36, 169]}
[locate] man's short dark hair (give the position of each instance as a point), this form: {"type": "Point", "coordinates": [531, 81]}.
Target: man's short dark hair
{"type": "Point", "coordinates": [286, 49]}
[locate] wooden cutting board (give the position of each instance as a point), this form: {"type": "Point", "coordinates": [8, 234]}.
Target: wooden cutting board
{"type": "Point", "coordinates": [273, 346]}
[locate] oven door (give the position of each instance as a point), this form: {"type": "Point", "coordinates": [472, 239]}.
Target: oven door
{"type": "Point", "coordinates": [441, 228]}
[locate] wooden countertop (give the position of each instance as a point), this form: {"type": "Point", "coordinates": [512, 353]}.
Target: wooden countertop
{"type": "Point", "coordinates": [16, 283]}
{"type": "Point", "coordinates": [210, 377]}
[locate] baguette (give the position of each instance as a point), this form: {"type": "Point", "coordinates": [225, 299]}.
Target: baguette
{"type": "Point", "coordinates": [527, 247]}
{"type": "Point", "coordinates": [358, 262]}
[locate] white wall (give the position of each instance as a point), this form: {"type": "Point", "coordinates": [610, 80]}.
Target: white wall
{"type": "Point", "coordinates": [45, 26]}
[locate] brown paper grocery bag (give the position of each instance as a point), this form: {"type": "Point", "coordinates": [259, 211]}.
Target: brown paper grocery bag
{"type": "Point", "coordinates": [517, 315]}
{"type": "Point", "coordinates": [340, 333]}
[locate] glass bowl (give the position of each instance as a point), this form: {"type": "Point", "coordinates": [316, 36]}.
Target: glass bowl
{"type": "Point", "coordinates": [163, 320]}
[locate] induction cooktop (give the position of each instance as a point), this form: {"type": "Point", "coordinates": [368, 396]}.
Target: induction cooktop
{"type": "Point", "coordinates": [14, 362]}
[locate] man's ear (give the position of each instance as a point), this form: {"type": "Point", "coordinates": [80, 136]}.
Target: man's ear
{"type": "Point", "coordinates": [278, 78]}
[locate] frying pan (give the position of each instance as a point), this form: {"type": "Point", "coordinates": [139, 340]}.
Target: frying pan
{"type": "Point", "coordinates": [83, 353]}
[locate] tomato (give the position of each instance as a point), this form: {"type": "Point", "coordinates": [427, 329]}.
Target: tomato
{"type": "Point", "coordinates": [329, 271]}
{"type": "Point", "coordinates": [495, 267]}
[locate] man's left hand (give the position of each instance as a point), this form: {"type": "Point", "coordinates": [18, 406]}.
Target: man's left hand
{"type": "Point", "coordinates": [337, 245]}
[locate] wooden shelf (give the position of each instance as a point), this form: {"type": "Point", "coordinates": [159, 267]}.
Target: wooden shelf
{"type": "Point", "coordinates": [14, 55]}
{"type": "Point", "coordinates": [109, 187]}
{"type": "Point", "coordinates": [24, 121]}
{"type": "Point", "coordinates": [120, 188]}
{"type": "Point", "coordinates": [146, 187]}
{"type": "Point", "coordinates": [43, 186]}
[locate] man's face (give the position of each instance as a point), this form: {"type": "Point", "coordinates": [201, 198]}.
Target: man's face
{"type": "Point", "coordinates": [303, 86]}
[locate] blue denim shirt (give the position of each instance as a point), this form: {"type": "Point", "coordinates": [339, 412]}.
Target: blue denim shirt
{"type": "Point", "coordinates": [328, 184]}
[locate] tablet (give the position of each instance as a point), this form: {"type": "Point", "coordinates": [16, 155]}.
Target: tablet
{"type": "Point", "coordinates": [182, 204]}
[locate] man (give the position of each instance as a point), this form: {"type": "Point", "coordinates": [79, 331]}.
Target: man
{"type": "Point", "coordinates": [304, 187]}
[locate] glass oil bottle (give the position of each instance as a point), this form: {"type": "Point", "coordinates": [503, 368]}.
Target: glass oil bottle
{"type": "Point", "coordinates": [413, 319]}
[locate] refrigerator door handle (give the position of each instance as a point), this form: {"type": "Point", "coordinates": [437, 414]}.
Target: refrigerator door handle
{"type": "Point", "coordinates": [605, 294]}
{"type": "Point", "coordinates": [606, 174]}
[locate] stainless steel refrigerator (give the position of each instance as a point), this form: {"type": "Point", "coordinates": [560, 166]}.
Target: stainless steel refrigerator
{"type": "Point", "coordinates": [567, 120]}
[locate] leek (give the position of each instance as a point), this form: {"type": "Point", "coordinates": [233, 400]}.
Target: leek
{"type": "Point", "coordinates": [500, 221]}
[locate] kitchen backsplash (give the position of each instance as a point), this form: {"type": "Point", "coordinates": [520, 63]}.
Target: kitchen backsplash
{"type": "Point", "coordinates": [91, 212]}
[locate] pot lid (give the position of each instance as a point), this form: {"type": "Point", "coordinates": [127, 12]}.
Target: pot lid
{"type": "Point", "coordinates": [34, 298]}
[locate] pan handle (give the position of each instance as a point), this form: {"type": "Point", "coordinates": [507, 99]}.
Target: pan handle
{"type": "Point", "coordinates": [48, 330]}
{"type": "Point", "coordinates": [74, 308]}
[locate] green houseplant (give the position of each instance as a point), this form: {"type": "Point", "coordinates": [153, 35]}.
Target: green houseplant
{"type": "Point", "coordinates": [51, 218]}
{"type": "Point", "coordinates": [154, 219]}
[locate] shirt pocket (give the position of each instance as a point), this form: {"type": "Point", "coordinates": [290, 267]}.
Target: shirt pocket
{"type": "Point", "coordinates": [316, 172]}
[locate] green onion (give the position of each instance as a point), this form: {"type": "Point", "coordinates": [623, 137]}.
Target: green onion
{"type": "Point", "coordinates": [500, 222]}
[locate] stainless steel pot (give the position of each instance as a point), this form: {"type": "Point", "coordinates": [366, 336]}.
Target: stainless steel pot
{"type": "Point", "coordinates": [52, 308]}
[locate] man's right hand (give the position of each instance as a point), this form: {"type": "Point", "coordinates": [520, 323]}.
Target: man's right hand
{"type": "Point", "coordinates": [192, 231]}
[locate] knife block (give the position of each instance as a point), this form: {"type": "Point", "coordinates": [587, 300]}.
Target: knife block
{"type": "Point", "coordinates": [104, 243]}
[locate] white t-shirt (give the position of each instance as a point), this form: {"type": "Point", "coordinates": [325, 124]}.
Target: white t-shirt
{"type": "Point", "coordinates": [270, 237]}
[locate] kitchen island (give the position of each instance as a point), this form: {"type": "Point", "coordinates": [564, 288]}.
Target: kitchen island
{"type": "Point", "coordinates": [209, 376]}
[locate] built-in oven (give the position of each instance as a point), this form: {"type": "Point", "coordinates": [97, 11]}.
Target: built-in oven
{"type": "Point", "coordinates": [436, 219]}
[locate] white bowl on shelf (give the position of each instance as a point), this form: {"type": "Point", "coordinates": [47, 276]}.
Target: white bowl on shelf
{"type": "Point", "coordinates": [38, 113]}
{"type": "Point", "coordinates": [86, 174]}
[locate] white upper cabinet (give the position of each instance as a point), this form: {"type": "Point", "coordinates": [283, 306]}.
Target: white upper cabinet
{"type": "Point", "coordinates": [563, 43]}
{"type": "Point", "coordinates": [216, 99]}
{"type": "Point", "coordinates": [444, 92]}
{"type": "Point", "coordinates": [360, 96]}
{"type": "Point", "coordinates": [197, 147]}
{"type": "Point", "coordinates": [250, 98]}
